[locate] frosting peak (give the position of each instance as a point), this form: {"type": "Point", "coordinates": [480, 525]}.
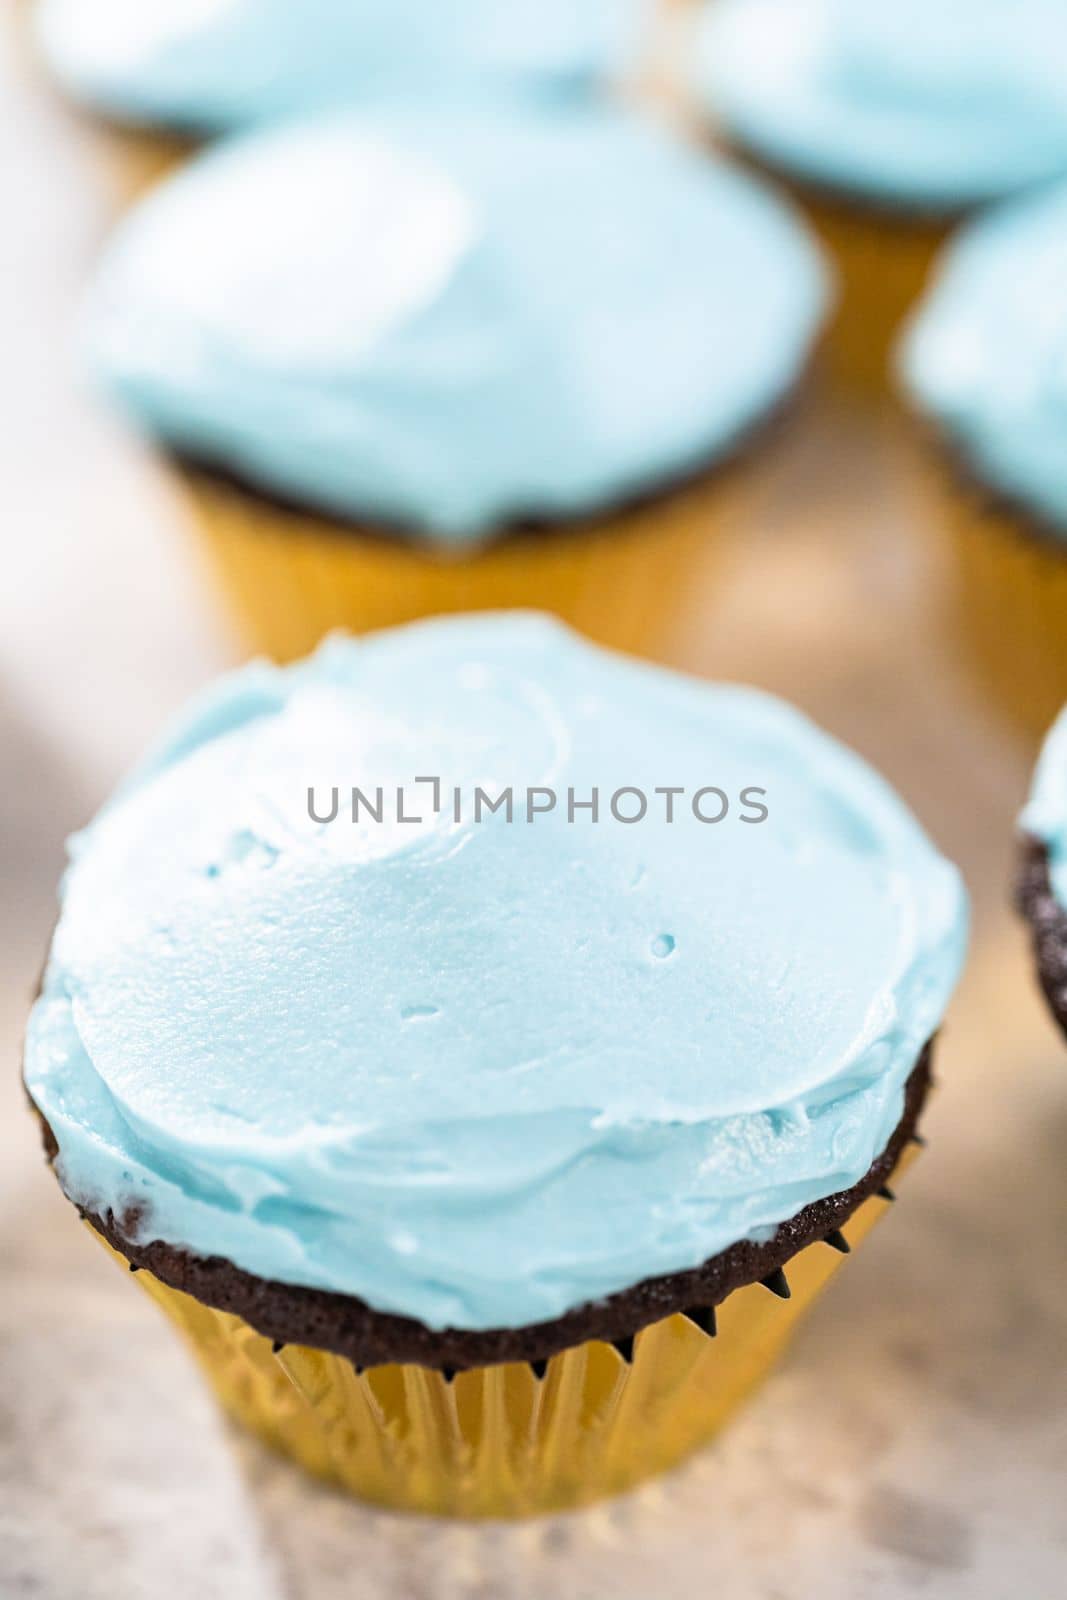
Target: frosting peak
{"type": "Point", "coordinates": [482, 1071]}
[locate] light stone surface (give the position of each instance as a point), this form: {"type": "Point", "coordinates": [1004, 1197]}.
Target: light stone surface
{"type": "Point", "coordinates": [915, 1443]}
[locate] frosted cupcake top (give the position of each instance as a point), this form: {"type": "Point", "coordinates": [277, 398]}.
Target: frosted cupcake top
{"type": "Point", "coordinates": [934, 104]}
{"type": "Point", "coordinates": [481, 1068]}
{"type": "Point", "coordinates": [985, 357]}
{"type": "Point", "coordinates": [207, 65]}
{"type": "Point", "coordinates": [1045, 816]}
{"type": "Point", "coordinates": [447, 322]}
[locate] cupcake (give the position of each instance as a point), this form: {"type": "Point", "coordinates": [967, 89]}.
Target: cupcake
{"type": "Point", "coordinates": [163, 73]}
{"type": "Point", "coordinates": [984, 363]}
{"type": "Point", "coordinates": [484, 1047]}
{"type": "Point", "coordinates": [893, 116]}
{"type": "Point", "coordinates": [419, 362]}
{"type": "Point", "coordinates": [1042, 882]}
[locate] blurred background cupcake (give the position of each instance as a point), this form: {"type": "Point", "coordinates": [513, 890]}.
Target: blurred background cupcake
{"type": "Point", "coordinates": [488, 1158]}
{"type": "Point", "coordinates": [421, 361]}
{"type": "Point", "coordinates": [158, 74]}
{"type": "Point", "coordinates": [984, 364]}
{"type": "Point", "coordinates": [893, 117]}
{"type": "Point", "coordinates": [1042, 882]}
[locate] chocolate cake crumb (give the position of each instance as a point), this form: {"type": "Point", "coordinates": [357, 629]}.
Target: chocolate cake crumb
{"type": "Point", "coordinates": [1037, 901]}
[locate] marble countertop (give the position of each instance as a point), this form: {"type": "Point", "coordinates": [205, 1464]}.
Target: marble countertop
{"type": "Point", "coordinates": [914, 1443]}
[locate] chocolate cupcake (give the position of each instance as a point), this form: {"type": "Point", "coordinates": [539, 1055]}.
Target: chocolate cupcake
{"type": "Point", "coordinates": [1042, 882]}
{"type": "Point", "coordinates": [419, 362]}
{"type": "Point", "coordinates": [485, 1047]}
{"type": "Point", "coordinates": [157, 76]}
{"type": "Point", "coordinates": [893, 117]}
{"type": "Point", "coordinates": [984, 363]}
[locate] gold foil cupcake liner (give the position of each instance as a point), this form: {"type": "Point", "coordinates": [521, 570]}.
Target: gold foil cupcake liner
{"type": "Point", "coordinates": [517, 1439]}
{"type": "Point", "coordinates": [883, 263]}
{"type": "Point", "coordinates": [134, 160]}
{"type": "Point", "coordinates": [1009, 605]}
{"type": "Point", "coordinates": [630, 581]}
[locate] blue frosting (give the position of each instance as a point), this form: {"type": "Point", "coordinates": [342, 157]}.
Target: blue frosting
{"type": "Point", "coordinates": [481, 1072]}
{"type": "Point", "coordinates": [1045, 816]}
{"type": "Point", "coordinates": [915, 103]}
{"type": "Point", "coordinates": [986, 354]}
{"type": "Point", "coordinates": [221, 64]}
{"type": "Point", "coordinates": [446, 322]}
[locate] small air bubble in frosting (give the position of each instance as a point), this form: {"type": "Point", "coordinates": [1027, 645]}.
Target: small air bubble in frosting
{"type": "Point", "coordinates": [663, 946]}
{"type": "Point", "coordinates": [419, 1013]}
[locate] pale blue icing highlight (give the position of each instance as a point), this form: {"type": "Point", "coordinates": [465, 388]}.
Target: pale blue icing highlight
{"type": "Point", "coordinates": [214, 65]}
{"type": "Point", "coordinates": [985, 356]}
{"type": "Point", "coordinates": [921, 104]}
{"type": "Point", "coordinates": [482, 1073]}
{"type": "Point", "coordinates": [1045, 815]}
{"type": "Point", "coordinates": [448, 322]}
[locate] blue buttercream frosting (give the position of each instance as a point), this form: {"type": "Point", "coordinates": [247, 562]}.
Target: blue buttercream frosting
{"type": "Point", "coordinates": [1045, 815]}
{"type": "Point", "coordinates": [480, 1072]}
{"type": "Point", "coordinates": [920, 104]}
{"type": "Point", "coordinates": [445, 322]}
{"type": "Point", "coordinates": [985, 356]}
{"type": "Point", "coordinates": [209, 65]}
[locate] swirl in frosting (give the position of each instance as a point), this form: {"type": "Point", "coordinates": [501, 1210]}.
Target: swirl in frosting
{"type": "Point", "coordinates": [480, 1073]}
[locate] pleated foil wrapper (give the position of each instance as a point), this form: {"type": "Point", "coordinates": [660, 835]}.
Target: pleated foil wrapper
{"type": "Point", "coordinates": [627, 581]}
{"type": "Point", "coordinates": [522, 1438]}
{"type": "Point", "coordinates": [1009, 603]}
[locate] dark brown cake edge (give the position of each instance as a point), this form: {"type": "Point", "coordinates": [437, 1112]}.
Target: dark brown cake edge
{"type": "Point", "coordinates": [962, 475]}
{"type": "Point", "coordinates": [846, 199]}
{"type": "Point", "coordinates": [346, 1326]}
{"type": "Point", "coordinates": [1047, 921]}
{"type": "Point", "coordinates": [718, 462]}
